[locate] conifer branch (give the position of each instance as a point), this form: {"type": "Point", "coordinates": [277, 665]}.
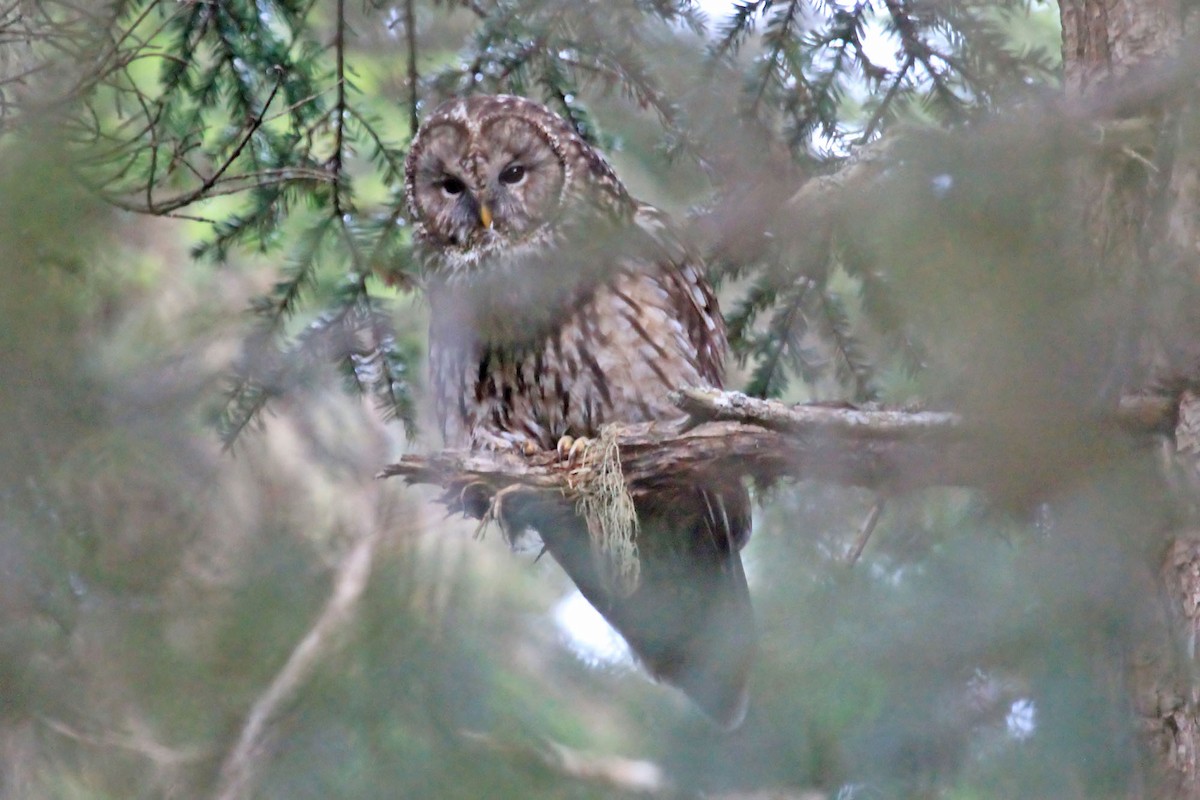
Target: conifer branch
{"type": "Point", "coordinates": [730, 434]}
{"type": "Point", "coordinates": [339, 108]}
{"type": "Point", "coordinates": [206, 188]}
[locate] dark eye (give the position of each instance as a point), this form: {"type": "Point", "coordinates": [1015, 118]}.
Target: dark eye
{"type": "Point", "coordinates": [453, 186]}
{"type": "Point", "coordinates": [512, 174]}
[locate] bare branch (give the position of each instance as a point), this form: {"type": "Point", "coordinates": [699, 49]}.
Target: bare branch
{"type": "Point", "coordinates": [617, 773]}
{"type": "Point", "coordinates": [414, 78]}
{"type": "Point", "coordinates": [238, 770]}
{"type": "Point", "coordinates": [337, 163]}
{"type": "Point", "coordinates": [730, 434]}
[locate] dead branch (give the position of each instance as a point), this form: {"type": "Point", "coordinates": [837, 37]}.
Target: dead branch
{"type": "Point", "coordinates": [628, 777]}
{"type": "Point", "coordinates": [240, 766]}
{"type": "Point", "coordinates": [728, 434]}
{"type": "Point", "coordinates": [865, 531]}
{"type": "Point", "coordinates": [625, 775]}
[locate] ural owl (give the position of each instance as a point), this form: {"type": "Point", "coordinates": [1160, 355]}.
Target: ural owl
{"type": "Point", "coordinates": [559, 304]}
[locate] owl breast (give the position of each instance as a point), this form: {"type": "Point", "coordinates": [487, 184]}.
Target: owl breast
{"type": "Point", "coordinates": [611, 353]}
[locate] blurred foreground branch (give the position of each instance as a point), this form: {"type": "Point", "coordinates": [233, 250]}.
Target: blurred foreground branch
{"type": "Point", "coordinates": [616, 773]}
{"type": "Point", "coordinates": [239, 770]}
{"type": "Point", "coordinates": [627, 777]}
{"type": "Point", "coordinates": [729, 433]}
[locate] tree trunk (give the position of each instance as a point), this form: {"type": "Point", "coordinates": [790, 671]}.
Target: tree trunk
{"type": "Point", "coordinates": [1142, 230]}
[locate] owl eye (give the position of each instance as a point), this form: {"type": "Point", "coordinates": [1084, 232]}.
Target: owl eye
{"type": "Point", "coordinates": [513, 174]}
{"type": "Point", "coordinates": [452, 186]}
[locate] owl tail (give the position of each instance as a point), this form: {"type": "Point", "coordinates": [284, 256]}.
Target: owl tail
{"type": "Point", "coordinates": [689, 619]}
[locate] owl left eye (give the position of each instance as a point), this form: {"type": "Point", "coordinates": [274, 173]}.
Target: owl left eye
{"type": "Point", "coordinates": [513, 174]}
{"type": "Point", "coordinates": [452, 186]}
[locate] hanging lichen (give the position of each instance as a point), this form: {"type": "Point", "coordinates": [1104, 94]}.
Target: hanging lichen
{"type": "Point", "coordinates": [604, 501]}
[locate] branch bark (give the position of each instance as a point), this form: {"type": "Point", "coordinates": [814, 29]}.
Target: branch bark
{"type": "Point", "coordinates": [729, 433]}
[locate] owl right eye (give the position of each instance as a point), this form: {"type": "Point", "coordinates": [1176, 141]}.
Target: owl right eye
{"type": "Point", "coordinates": [512, 175]}
{"type": "Point", "coordinates": [452, 186]}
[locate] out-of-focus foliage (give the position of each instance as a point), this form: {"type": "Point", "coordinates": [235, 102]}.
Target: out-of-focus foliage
{"type": "Point", "coordinates": [151, 587]}
{"type": "Point", "coordinates": [284, 124]}
{"type": "Point", "coordinates": [193, 102]}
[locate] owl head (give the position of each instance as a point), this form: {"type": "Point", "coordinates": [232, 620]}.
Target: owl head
{"type": "Point", "coordinates": [488, 173]}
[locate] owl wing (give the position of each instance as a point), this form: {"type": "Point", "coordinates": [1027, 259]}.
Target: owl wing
{"type": "Point", "coordinates": [646, 324]}
{"type": "Point", "coordinates": [692, 298]}
{"type": "Point", "coordinates": [689, 621]}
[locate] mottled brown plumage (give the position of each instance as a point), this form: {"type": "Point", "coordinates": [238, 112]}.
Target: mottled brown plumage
{"type": "Point", "coordinates": [560, 304]}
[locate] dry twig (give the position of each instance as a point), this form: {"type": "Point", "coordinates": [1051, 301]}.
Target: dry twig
{"type": "Point", "coordinates": [239, 768]}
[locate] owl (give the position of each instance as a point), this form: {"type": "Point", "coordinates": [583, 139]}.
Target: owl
{"type": "Point", "coordinates": [559, 304]}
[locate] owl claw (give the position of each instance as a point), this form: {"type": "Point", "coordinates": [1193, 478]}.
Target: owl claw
{"type": "Point", "coordinates": [564, 446]}
{"type": "Point", "coordinates": [571, 449]}
{"type": "Point", "coordinates": [530, 448]}
{"type": "Point", "coordinates": [492, 513]}
{"type": "Point", "coordinates": [474, 499]}
{"type": "Point", "coordinates": [517, 533]}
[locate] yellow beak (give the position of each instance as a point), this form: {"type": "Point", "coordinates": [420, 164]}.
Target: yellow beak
{"type": "Point", "coordinates": [485, 215]}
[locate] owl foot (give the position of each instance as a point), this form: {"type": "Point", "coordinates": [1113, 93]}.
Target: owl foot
{"type": "Point", "coordinates": [571, 449]}
{"type": "Point", "coordinates": [513, 526]}
{"type": "Point", "coordinates": [474, 499]}
{"type": "Point", "coordinates": [491, 513]}
{"type": "Point", "coordinates": [489, 441]}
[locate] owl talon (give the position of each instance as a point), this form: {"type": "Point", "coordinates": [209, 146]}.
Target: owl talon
{"type": "Point", "coordinates": [517, 534]}
{"type": "Point", "coordinates": [491, 513]}
{"type": "Point", "coordinates": [575, 454]}
{"type": "Point", "coordinates": [564, 447]}
{"type": "Point", "coordinates": [474, 499]}
{"type": "Point", "coordinates": [530, 448]}
{"type": "Point", "coordinates": [571, 449]}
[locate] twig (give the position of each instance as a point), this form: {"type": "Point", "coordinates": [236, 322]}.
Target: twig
{"type": "Point", "coordinates": [339, 108]}
{"type": "Point", "coordinates": [410, 31]}
{"type": "Point", "coordinates": [204, 190]}
{"type": "Point", "coordinates": [716, 405]}
{"type": "Point", "coordinates": [140, 743]}
{"type": "Point", "coordinates": [239, 768]}
{"type": "Point", "coordinates": [888, 97]}
{"type": "Point", "coordinates": [612, 772]}
{"type": "Point", "coordinates": [864, 533]}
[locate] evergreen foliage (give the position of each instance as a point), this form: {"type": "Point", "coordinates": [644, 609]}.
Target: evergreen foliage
{"type": "Point", "coordinates": [150, 588]}
{"type": "Point", "coordinates": [262, 103]}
